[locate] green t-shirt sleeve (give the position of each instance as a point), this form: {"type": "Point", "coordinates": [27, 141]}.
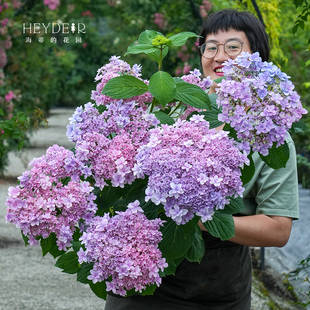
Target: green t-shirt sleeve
{"type": "Point", "coordinates": [273, 192]}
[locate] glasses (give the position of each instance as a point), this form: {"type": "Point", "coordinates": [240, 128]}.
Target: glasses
{"type": "Point", "coordinates": [232, 48]}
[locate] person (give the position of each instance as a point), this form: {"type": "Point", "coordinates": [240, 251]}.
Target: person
{"type": "Point", "coordinates": [222, 280]}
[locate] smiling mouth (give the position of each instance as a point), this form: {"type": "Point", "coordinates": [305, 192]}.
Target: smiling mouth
{"type": "Point", "coordinates": [218, 70]}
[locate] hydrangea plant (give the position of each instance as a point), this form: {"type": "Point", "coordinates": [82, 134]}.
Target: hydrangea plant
{"type": "Point", "coordinates": [121, 210]}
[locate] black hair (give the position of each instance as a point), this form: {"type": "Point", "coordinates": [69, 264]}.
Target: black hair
{"type": "Point", "coordinates": [241, 21]}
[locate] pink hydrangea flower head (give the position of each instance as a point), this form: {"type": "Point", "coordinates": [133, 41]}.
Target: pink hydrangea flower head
{"type": "Point", "coordinates": [51, 198]}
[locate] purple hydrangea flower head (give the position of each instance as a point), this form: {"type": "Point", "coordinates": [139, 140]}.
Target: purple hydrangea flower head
{"type": "Point", "coordinates": [187, 165]}
{"type": "Point", "coordinates": [124, 250]}
{"type": "Point", "coordinates": [258, 101]}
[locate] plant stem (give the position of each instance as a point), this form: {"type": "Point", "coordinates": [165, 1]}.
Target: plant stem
{"type": "Point", "coordinates": [176, 107]}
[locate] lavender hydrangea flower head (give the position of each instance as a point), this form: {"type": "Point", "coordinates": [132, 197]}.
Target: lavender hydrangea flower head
{"type": "Point", "coordinates": [258, 101]}
{"type": "Point", "coordinates": [41, 204]}
{"type": "Point", "coordinates": [188, 169]}
{"type": "Point", "coordinates": [124, 250]}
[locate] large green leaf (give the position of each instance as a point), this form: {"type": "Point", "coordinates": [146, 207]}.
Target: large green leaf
{"type": "Point", "coordinates": [235, 205]}
{"type": "Point", "coordinates": [213, 98]}
{"type": "Point", "coordinates": [140, 48]}
{"type": "Point", "coordinates": [180, 39]}
{"type": "Point", "coordinates": [151, 210]}
{"type": "Point", "coordinates": [221, 226]}
{"type": "Point", "coordinates": [99, 288]}
{"type": "Point", "coordinates": [68, 262]}
{"type": "Point", "coordinates": [192, 95]}
{"type": "Point", "coordinates": [197, 249]}
{"type": "Point", "coordinates": [25, 238]}
{"type": "Point", "coordinates": [164, 118]}
{"type": "Point", "coordinates": [248, 171]}
{"type": "Point", "coordinates": [172, 266]}
{"type": "Point", "coordinates": [162, 87]}
{"type": "Point", "coordinates": [147, 36]}
{"type": "Point", "coordinates": [84, 272]}
{"type": "Point", "coordinates": [177, 239]}
{"type": "Point", "coordinates": [158, 55]}
{"type": "Point", "coordinates": [124, 86]}
{"type": "Point", "coordinates": [49, 245]}
{"type": "Point", "coordinates": [212, 117]}
{"type": "Point", "coordinates": [145, 46]}
{"type": "Point", "coordinates": [277, 157]}
{"type": "Point", "coordinates": [150, 289]}
{"type": "Point", "coordinates": [299, 126]}
{"type": "Point", "coordinates": [232, 131]}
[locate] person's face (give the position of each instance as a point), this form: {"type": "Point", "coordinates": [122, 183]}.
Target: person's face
{"type": "Point", "coordinates": [213, 66]}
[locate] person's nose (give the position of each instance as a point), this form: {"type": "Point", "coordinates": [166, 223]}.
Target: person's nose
{"type": "Point", "coordinates": [221, 55]}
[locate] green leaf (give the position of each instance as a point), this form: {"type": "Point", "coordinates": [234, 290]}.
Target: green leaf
{"type": "Point", "coordinates": [150, 210]}
{"type": "Point", "coordinates": [178, 80]}
{"type": "Point", "coordinates": [150, 289]}
{"type": "Point", "coordinates": [212, 117]}
{"type": "Point", "coordinates": [68, 262]}
{"type": "Point", "coordinates": [162, 87]}
{"type": "Point", "coordinates": [25, 238]}
{"type": "Point", "coordinates": [157, 55]}
{"type": "Point", "coordinates": [219, 80]}
{"type": "Point", "coordinates": [193, 96]}
{"type": "Point", "coordinates": [299, 126]}
{"type": "Point", "coordinates": [295, 28]}
{"type": "Point", "coordinates": [213, 98]}
{"type": "Point", "coordinates": [124, 86]}
{"type": "Point", "coordinates": [147, 36]}
{"type": "Point", "coordinates": [76, 245]}
{"type": "Point", "coordinates": [221, 226]}
{"type": "Point", "coordinates": [141, 48]}
{"type": "Point", "coordinates": [180, 39]}
{"type": "Point", "coordinates": [6, 134]}
{"type": "Point", "coordinates": [99, 288]}
{"type": "Point", "coordinates": [235, 205]}
{"type": "Point", "coordinates": [197, 249]}
{"type": "Point", "coordinates": [232, 131]}
{"type": "Point", "coordinates": [172, 266]}
{"type": "Point", "coordinates": [21, 144]}
{"type": "Point", "coordinates": [49, 245]}
{"type": "Point", "coordinates": [277, 157]}
{"type": "Point", "coordinates": [84, 272]}
{"type": "Point", "coordinates": [145, 46]}
{"type": "Point", "coordinates": [248, 171]}
{"type": "Point", "coordinates": [177, 238]}
{"type": "Point", "coordinates": [164, 118]}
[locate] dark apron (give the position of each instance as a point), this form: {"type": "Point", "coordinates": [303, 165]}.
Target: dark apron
{"type": "Point", "coordinates": [222, 280]}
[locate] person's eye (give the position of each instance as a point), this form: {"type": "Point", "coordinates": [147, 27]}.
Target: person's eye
{"type": "Point", "coordinates": [233, 46]}
{"type": "Point", "coordinates": [211, 48]}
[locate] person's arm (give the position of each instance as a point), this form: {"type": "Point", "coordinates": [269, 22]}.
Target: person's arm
{"type": "Point", "coordinates": [261, 230]}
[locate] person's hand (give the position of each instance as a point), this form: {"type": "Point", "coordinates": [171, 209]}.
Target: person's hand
{"type": "Point", "coordinates": [201, 226]}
